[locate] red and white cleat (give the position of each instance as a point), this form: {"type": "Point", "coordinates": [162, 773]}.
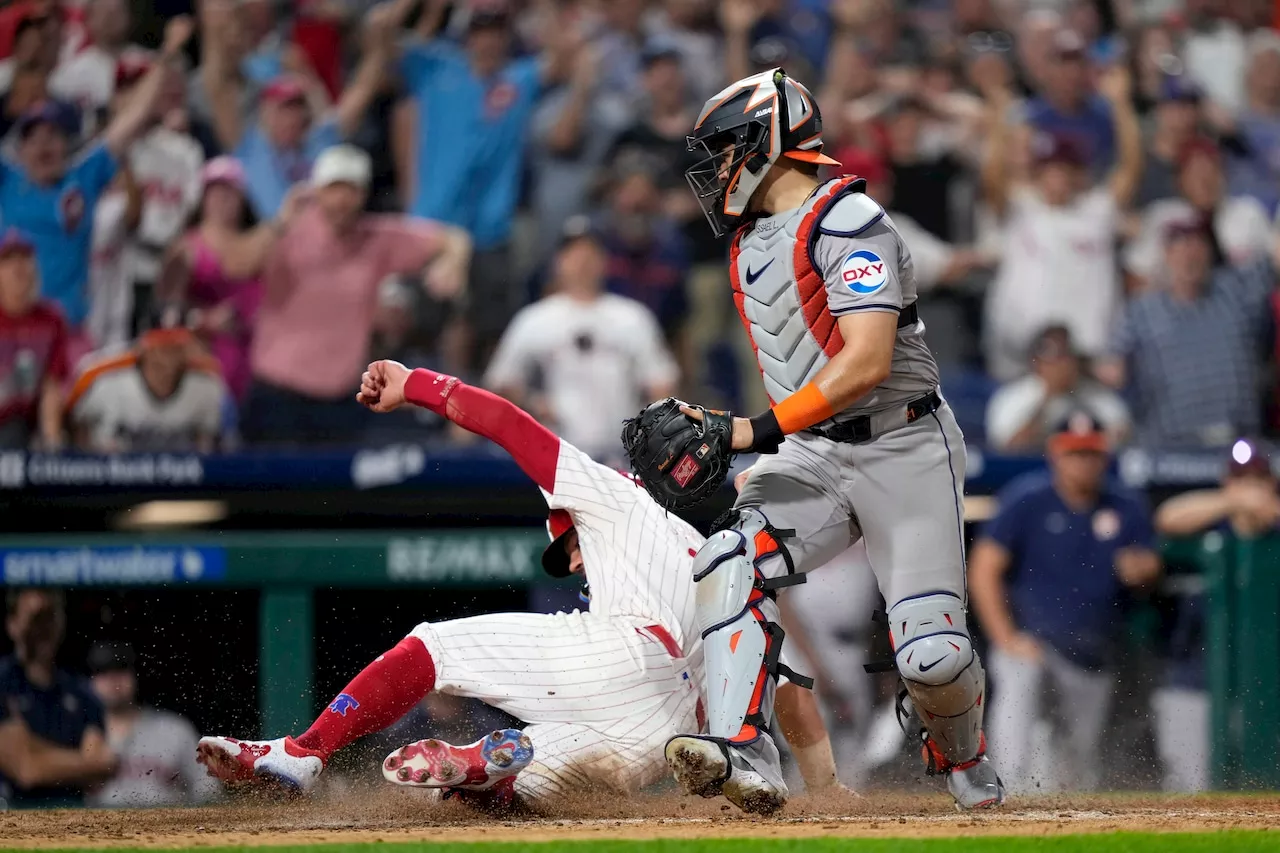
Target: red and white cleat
{"type": "Point", "coordinates": [475, 767]}
{"type": "Point", "coordinates": [277, 763]}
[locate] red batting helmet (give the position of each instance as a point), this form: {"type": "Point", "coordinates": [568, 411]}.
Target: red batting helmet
{"type": "Point", "coordinates": [555, 559]}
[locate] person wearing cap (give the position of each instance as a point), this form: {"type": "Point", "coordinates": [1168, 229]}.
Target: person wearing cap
{"type": "Point", "coordinates": [52, 745]}
{"type": "Point", "coordinates": [293, 124]}
{"type": "Point", "coordinates": [1245, 507]}
{"type": "Point", "coordinates": [312, 332]}
{"type": "Point", "coordinates": [462, 137]}
{"type": "Point", "coordinates": [88, 78]}
{"type": "Point", "coordinates": [1189, 350]}
{"type": "Point", "coordinates": [1058, 263]}
{"type": "Point", "coordinates": [1021, 412]}
{"type": "Point", "coordinates": [1255, 170]}
{"type": "Point", "coordinates": [164, 394]}
{"type": "Point", "coordinates": [157, 749]}
{"type": "Point", "coordinates": [53, 197]}
{"type": "Point", "coordinates": [1174, 123]}
{"type": "Point", "coordinates": [25, 76]}
{"type": "Point", "coordinates": [1048, 577]}
{"type": "Point", "coordinates": [594, 356]}
{"type": "Point", "coordinates": [33, 338]}
{"type": "Point", "coordinates": [601, 690]}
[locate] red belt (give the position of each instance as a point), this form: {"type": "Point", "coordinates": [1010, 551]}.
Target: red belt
{"type": "Point", "coordinates": [663, 636]}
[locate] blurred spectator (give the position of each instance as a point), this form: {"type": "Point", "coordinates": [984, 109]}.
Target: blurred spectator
{"type": "Point", "coordinates": [165, 163]}
{"type": "Point", "coordinates": [801, 27]}
{"type": "Point", "coordinates": [110, 320]}
{"type": "Point", "coordinates": [1155, 60]}
{"type": "Point", "coordinates": [1246, 506]}
{"type": "Point", "coordinates": [1047, 577]}
{"type": "Point", "coordinates": [51, 726]}
{"type": "Point", "coordinates": [24, 77]}
{"type": "Point", "coordinates": [88, 79]}
{"type": "Point", "coordinates": [212, 273]}
{"type": "Point", "coordinates": [620, 44]}
{"type": "Point", "coordinates": [1214, 52]}
{"type": "Point", "coordinates": [1059, 247]}
{"type": "Point", "coordinates": [165, 394]}
{"type": "Point", "coordinates": [1257, 129]}
{"type": "Point", "coordinates": [583, 359]}
{"type": "Point", "coordinates": [690, 26]}
{"type": "Point", "coordinates": [462, 140]}
{"type": "Point", "coordinates": [1021, 413]}
{"type": "Point", "coordinates": [311, 340]}
{"type": "Point", "coordinates": [1173, 126]}
{"type": "Point", "coordinates": [1240, 231]}
{"type": "Point", "coordinates": [33, 351]}
{"type": "Point", "coordinates": [53, 197]}
{"type": "Point", "coordinates": [648, 256]}
{"type": "Point", "coordinates": [157, 749]}
{"type": "Point", "coordinates": [294, 123]}
{"type": "Point", "coordinates": [1068, 106]}
{"type": "Point", "coordinates": [1190, 351]}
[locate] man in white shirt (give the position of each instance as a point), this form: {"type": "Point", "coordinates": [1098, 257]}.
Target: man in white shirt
{"type": "Point", "coordinates": [1059, 263]}
{"type": "Point", "coordinates": [593, 358]}
{"type": "Point", "coordinates": [88, 78]}
{"type": "Point", "coordinates": [1021, 413]}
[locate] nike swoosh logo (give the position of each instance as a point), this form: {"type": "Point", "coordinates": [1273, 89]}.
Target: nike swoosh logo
{"type": "Point", "coordinates": [927, 667]}
{"type": "Point", "coordinates": [753, 275]}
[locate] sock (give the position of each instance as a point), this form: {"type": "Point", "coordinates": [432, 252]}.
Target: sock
{"type": "Point", "coordinates": [382, 693]}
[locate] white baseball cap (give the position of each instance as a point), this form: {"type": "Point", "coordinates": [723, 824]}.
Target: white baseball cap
{"type": "Point", "coordinates": [342, 164]}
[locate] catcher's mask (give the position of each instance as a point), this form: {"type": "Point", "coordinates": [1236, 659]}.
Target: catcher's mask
{"type": "Point", "coordinates": [741, 133]}
{"type": "Point", "coordinates": [555, 559]}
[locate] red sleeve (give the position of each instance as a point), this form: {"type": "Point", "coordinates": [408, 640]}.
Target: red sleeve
{"type": "Point", "coordinates": [535, 448]}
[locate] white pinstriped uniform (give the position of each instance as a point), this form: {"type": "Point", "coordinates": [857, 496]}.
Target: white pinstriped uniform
{"type": "Point", "coordinates": [600, 691]}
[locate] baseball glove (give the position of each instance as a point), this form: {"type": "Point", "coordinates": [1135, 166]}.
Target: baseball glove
{"type": "Point", "coordinates": [679, 460]}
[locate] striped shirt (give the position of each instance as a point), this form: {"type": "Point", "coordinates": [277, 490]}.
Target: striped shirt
{"type": "Point", "coordinates": [1195, 366]}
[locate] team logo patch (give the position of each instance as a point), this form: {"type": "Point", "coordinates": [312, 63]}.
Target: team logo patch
{"type": "Point", "coordinates": [344, 703]}
{"type": "Point", "coordinates": [498, 99]}
{"type": "Point", "coordinates": [71, 208]}
{"type": "Point", "coordinates": [864, 272]}
{"type": "Point", "coordinates": [703, 451]}
{"type": "Point", "coordinates": [685, 470]}
{"type": "Point", "coordinates": [1106, 524]}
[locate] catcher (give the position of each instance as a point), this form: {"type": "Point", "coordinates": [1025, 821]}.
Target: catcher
{"type": "Point", "coordinates": [826, 290]}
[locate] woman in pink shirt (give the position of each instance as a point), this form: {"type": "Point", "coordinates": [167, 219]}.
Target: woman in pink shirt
{"type": "Point", "coordinates": [212, 272]}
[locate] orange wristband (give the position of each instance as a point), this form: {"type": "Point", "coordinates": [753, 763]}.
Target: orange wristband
{"type": "Point", "coordinates": [802, 410]}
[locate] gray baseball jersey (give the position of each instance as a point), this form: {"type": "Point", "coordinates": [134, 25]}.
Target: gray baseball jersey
{"type": "Point", "coordinates": [796, 272]}
{"type": "Point", "coordinates": [901, 491]}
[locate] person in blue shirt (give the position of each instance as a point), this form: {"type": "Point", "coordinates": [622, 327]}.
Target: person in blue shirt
{"type": "Point", "coordinates": [1245, 506]}
{"type": "Point", "coordinates": [52, 197]}
{"type": "Point", "coordinates": [1069, 106]}
{"type": "Point", "coordinates": [1048, 577]}
{"type": "Point", "coordinates": [293, 121]}
{"type": "Point", "coordinates": [52, 742]}
{"type": "Point", "coordinates": [464, 128]}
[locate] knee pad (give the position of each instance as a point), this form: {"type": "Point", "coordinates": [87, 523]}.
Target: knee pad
{"type": "Point", "coordinates": [935, 657]}
{"type": "Point", "coordinates": [738, 620]}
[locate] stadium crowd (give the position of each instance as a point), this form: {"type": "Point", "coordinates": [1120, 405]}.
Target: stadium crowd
{"type": "Point", "coordinates": [213, 215]}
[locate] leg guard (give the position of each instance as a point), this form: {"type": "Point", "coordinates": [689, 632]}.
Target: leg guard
{"type": "Point", "coordinates": [942, 673]}
{"type": "Point", "coordinates": [738, 618]}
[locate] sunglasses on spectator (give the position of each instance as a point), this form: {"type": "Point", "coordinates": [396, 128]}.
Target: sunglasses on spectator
{"type": "Point", "coordinates": [993, 41]}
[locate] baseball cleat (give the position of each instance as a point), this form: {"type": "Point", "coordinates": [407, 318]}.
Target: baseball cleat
{"type": "Point", "coordinates": [974, 783]}
{"type": "Point", "coordinates": [476, 767]}
{"type": "Point", "coordinates": [278, 763]}
{"type": "Point", "coordinates": [748, 775]}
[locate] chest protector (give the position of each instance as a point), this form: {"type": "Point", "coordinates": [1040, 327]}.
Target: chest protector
{"type": "Point", "coordinates": [780, 296]}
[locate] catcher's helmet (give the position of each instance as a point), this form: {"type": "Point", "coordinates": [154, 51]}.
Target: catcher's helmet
{"type": "Point", "coordinates": [743, 131]}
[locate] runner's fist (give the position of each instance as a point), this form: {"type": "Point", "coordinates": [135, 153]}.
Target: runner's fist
{"type": "Point", "coordinates": [382, 386]}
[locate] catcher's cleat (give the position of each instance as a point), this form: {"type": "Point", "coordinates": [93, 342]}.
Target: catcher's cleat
{"type": "Point", "coordinates": [279, 763]}
{"type": "Point", "coordinates": [973, 783]}
{"type": "Point", "coordinates": [748, 775]}
{"type": "Point", "coordinates": [476, 767]}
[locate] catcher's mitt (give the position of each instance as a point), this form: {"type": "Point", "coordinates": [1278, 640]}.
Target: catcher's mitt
{"type": "Point", "coordinates": [681, 461]}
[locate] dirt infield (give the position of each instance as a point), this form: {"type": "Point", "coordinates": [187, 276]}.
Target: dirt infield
{"type": "Point", "coordinates": [405, 816]}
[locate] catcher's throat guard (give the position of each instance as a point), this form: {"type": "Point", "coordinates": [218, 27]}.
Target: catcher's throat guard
{"type": "Point", "coordinates": [680, 460]}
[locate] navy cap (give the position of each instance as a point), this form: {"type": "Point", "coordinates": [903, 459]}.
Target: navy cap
{"type": "Point", "coordinates": [1179, 87]}
{"type": "Point", "coordinates": [1079, 431]}
{"type": "Point", "coordinates": [57, 114]}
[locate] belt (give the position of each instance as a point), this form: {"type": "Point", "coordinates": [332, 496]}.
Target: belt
{"type": "Point", "coordinates": [668, 642]}
{"type": "Point", "coordinates": [867, 427]}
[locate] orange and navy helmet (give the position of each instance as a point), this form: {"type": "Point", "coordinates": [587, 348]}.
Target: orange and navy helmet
{"type": "Point", "coordinates": [741, 133]}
